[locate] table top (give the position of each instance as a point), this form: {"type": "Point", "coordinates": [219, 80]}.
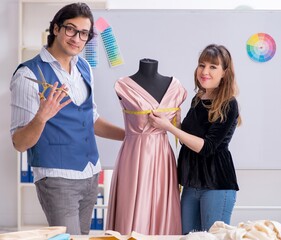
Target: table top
{"type": "Point", "coordinates": [100, 237]}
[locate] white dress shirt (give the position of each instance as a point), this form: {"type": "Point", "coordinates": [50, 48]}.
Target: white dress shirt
{"type": "Point", "coordinates": [23, 109]}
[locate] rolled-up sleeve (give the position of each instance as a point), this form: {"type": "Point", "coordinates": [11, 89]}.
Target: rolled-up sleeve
{"type": "Point", "coordinates": [24, 98]}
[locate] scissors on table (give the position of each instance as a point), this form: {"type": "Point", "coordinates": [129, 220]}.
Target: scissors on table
{"type": "Point", "coordinates": [44, 84]}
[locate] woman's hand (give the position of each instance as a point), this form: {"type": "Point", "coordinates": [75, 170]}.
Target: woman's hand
{"type": "Point", "coordinates": [158, 120]}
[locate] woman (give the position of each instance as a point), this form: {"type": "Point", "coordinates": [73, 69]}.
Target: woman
{"type": "Point", "coordinates": [205, 165]}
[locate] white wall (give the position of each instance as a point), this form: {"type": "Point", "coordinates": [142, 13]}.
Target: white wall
{"type": "Point", "coordinates": [259, 197]}
{"type": "Point", "coordinates": [8, 63]}
{"type": "Point", "coordinates": [194, 4]}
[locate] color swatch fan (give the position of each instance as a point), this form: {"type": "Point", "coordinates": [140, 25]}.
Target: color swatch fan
{"type": "Point", "coordinates": [261, 47]}
{"type": "Point", "coordinates": [110, 44]}
{"type": "Point", "coordinates": [91, 50]}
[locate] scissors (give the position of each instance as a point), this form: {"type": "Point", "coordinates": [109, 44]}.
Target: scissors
{"type": "Point", "coordinates": [44, 84]}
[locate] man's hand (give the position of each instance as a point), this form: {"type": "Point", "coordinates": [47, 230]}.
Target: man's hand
{"type": "Point", "coordinates": [51, 105]}
{"type": "Point", "coordinates": [28, 136]}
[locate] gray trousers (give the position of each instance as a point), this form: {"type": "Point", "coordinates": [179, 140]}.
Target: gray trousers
{"type": "Point", "coordinates": [68, 202]}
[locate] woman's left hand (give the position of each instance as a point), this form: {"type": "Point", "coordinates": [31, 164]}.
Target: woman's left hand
{"type": "Point", "coordinates": [158, 120]}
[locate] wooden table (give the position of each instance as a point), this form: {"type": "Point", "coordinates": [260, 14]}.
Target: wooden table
{"type": "Point", "coordinates": [99, 237]}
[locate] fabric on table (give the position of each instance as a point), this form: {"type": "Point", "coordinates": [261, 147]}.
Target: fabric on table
{"type": "Point", "coordinates": [250, 230]}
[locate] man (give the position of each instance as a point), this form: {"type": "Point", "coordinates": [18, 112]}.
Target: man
{"type": "Point", "coordinates": [58, 129]}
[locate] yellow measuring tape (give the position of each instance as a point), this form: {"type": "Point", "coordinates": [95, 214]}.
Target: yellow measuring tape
{"type": "Point", "coordinates": [174, 121]}
{"type": "Point", "coordinates": [143, 112]}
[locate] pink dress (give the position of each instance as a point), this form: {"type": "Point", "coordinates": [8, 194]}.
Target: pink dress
{"type": "Point", "coordinates": [144, 194]}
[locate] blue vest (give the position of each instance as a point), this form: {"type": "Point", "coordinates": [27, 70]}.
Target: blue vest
{"type": "Point", "coordinates": [68, 139]}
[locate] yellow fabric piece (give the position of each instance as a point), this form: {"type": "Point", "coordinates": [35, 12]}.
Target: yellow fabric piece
{"type": "Point", "coordinates": [114, 235]}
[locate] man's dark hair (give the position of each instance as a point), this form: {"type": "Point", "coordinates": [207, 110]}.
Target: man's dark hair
{"type": "Point", "coordinates": [67, 12]}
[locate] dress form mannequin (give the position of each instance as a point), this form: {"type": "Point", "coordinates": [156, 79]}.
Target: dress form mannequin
{"type": "Point", "coordinates": [149, 79]}
{"type": "Point", "coordinates": [145, 157]}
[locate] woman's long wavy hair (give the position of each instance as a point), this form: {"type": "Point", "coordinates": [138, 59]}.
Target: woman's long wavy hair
{"type": "Point", "coordinates": [227, 89]}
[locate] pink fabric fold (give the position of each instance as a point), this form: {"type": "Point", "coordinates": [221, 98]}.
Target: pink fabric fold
{"type": "Point", "coordinates": [144, 194]}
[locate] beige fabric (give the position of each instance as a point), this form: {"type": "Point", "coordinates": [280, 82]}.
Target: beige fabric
{"type": "Point", "coordinates": [199, 236]}
{"type": "Point", "coordinates": [251, 230]}
{"type": "Point", "coordinates": [38, 234]}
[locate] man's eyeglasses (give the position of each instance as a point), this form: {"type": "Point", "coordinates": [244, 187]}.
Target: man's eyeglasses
{"type": "Point", "coordinates": [71, 32]}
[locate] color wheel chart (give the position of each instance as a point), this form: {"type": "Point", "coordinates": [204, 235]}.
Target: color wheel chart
{"type": "Point", "coordinates": [110, 44]}
{"type": "Point", "coordinates": [261, 47]}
